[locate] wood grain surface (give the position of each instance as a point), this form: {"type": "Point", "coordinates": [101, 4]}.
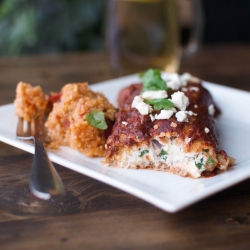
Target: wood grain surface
{"type": "Point", "coordinates": [93, 215]}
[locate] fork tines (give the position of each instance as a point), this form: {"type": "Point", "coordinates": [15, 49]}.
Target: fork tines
{"type": "Point", "coordinates": [25, 130]}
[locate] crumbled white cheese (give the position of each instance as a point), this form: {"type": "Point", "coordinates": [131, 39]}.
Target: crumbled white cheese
{"type": "Point", "coordinates": [164, 114]}
{"type": "Point", "coordinates": [194, 89]}
{"type": "Point", "coordinates": [152, 117]}
{"type": "Point", "coordinates": [137, 99]}
{"type": "Point", "coordinates": [173, 81]}
{"type": "Point", "coordinates": [154, 94]}
{"type": "Point", "coordinates": [188, 77]}
{"type": "Point", "coordinates": [179, 100]}
{"type": "Point", "coordinates": [211, 109]}
{"type": "Point", "coordinates": [190, 113]}
{"type": "Point", "coordinates": [185, 78]}
{"type": "Point", "coordinates": [184, 89]}
{"type": "Point", "coordinates": [206, 130]}
{"type": "Point", "coordinates": [181, 116]}
{"type": "Point", "coordinates": [187, 140]}
{"type": "Point", "coordinates": [143, 108]}
{"type": "Point", "coordinates": [124, 123]}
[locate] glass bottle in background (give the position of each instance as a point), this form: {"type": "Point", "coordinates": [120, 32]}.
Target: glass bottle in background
{"type": "Point", "coordinates": [142, 34]}
{"type": "Point", "coordinates": [191, 24]}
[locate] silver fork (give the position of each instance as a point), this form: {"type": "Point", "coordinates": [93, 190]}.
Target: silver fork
{"type": "Point", "coordinates": [44, 180]}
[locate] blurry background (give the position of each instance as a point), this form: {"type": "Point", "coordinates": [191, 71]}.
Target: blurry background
{"type": "Point", "coordinates": [45, 26]}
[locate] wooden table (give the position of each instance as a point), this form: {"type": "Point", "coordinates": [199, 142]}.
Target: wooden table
{"type": "Point", "coordinates": [93, 215]}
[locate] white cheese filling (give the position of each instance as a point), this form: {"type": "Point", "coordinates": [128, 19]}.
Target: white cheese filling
{"type": "Point", "coordinates": [169, 156]}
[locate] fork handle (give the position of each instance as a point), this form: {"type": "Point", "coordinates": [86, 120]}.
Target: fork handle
{"type": "Point", "coordinates": [44, 179]}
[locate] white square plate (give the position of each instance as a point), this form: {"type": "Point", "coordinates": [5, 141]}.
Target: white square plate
{"type": "Point", "coordinates": [164, 190]}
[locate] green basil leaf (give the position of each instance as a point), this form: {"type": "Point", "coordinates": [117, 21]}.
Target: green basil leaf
{"type": "Point", "coordinates": [160, 103]}
{"type": "Point", "coordinates": [163, 154]}
{"type": "Point", "coordinates": [96, 119]}
{"type": "Point", "coordinates": [151, 80]}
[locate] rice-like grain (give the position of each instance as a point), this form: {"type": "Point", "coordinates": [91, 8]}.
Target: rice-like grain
{"type": "Point", "coordinates": [30, 101]}
{"type": "Point", "coordinates": [66, 124]}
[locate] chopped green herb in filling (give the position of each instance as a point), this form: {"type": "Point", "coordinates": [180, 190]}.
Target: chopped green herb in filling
{"type": "Point", "coordinates": [143, 152]}
{"type": "Point", "coordinates": [210, 161]}
{"type": "Point", "coordinates": [160, 103]}
{"type": "Point", "coordinates": [151, 80]}
{"type": "Point", "coordinates": [200, 164]}
{"type": "Point", "coordinates": [163, 154]}
{"type": "Point", "coordinates": [96, 119]}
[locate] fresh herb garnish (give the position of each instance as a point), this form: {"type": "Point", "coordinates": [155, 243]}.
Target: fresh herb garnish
{"type": "Point", "coordinates": [163, 154]}
{"type": "Point", "coordinates": [210, 161]}
{"type": "Point", "coordinates": [151, 80]}
{"type": "Point", "coordinates": [200, 164]}
{"type": "Point", "coordinates": [160, 103]}
{"type": "Point", "coordinates": [143, 152]}
{"type": "Point", "coordinates": [96, 119]}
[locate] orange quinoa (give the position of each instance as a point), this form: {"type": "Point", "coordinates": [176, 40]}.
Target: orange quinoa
{"type": "Point", "coordinates": [66, 124]}
{"type": "Point", "coordinates": [30, 101]}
